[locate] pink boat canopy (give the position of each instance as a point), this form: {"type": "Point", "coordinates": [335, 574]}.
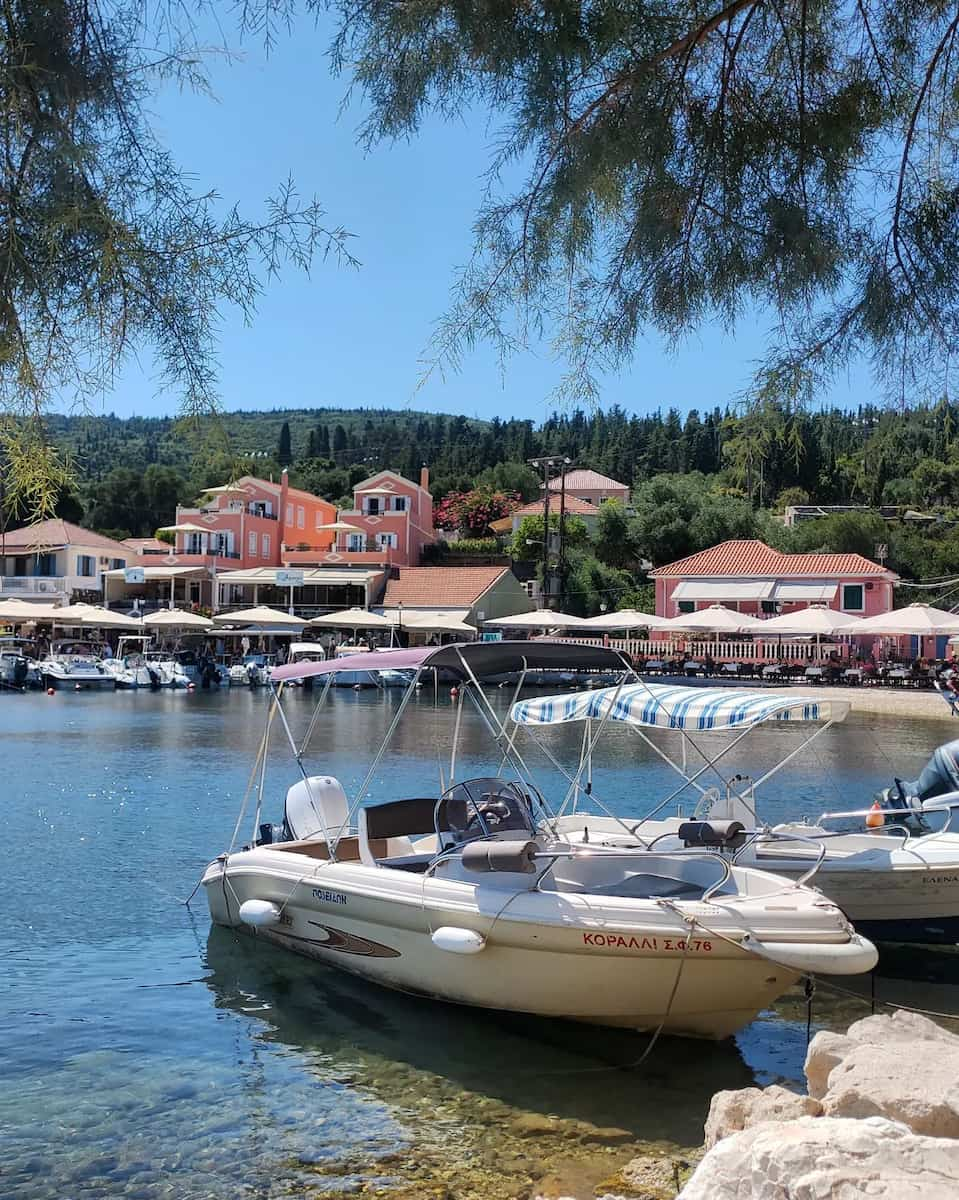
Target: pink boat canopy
{"type": "Point", "coordinates": [483, 658]}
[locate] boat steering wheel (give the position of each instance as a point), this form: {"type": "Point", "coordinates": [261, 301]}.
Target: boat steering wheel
{"type": "Point", "coordinates": [489, 813]}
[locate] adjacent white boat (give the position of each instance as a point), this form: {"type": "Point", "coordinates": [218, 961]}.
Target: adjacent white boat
{"type": "Point", "coordinates": [75, 666]}
{"type": "Point", "coordinates": [472, 896]}
{"type": "Point", "coordinates": [18, 667]}
{"type": "Point", "coordinates": [137, 666]}
{"type": "Point", "coordinates": [254, 671]}
{"type": "Point", "coordinates": [898, 881]}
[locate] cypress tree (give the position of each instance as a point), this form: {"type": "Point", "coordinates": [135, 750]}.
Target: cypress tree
{"type": "Point", "coordinates": [284, 450]}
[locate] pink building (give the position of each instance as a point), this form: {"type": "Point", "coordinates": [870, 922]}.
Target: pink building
{"type": "Point", "coordinates": [248, 523]}
{"type": "Point", "coordinates": [589, 486]}
{"type": "Point", "coordinates": [389, 524]}
{"type": "Point", "coordinates": [751, 577]}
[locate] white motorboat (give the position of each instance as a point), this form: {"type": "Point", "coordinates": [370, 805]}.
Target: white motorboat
{"type": "Point", "coordinates": [897, 880]}
{"type": "Point", "coordinates": [469, 895]}
{"type": "Point", "coordinates": [18, 667]}
{"type": "Point", "coordinates": [74, 666]}
{"type": "Point", "coordinates": [253, 671]}
{"type": "Point", "coordinates": [137, 666]}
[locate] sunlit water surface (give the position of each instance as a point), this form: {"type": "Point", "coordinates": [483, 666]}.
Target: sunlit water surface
{"type": "Point", "coordinates": [145, 1056]}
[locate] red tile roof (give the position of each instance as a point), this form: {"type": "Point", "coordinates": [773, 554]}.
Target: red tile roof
{"type": "Point", "coordinates": [55, 532]}
{"type": "Point", "coordinates": [139, 545]}
{"type": "Point", "coordinates": [754, 558]}
{"type": "Point", "coordinates": [573, 505]}
{"type": "Point", "coordinates": [589, 481]}
{"type": "Point", "coordinates": [441, 587]}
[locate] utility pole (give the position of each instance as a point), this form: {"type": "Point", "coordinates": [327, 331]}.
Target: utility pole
{"type": "Point", "coordinates": [546, 463]}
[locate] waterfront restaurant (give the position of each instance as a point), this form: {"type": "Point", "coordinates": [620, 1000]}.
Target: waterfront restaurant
{"type": "Point", "coordinates": [753, 578]}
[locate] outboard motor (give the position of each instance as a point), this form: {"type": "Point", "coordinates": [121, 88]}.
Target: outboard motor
{"type": "Point", "coordinates": [20, 673]}
{"type": "Point", "coordinates": [939, 776]}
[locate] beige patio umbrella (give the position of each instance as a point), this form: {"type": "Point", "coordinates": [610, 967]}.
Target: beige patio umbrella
{"type": "Point", "coordinates": [261, 617]}
{"type": "Point", "coordinates": [626, 618]}
{"type": "Point", "coordinates": [714, 619]}
{"type": "Point", "coordinates": [353, 618]}
{"type": "Point", "coordinates": [170, 618]}
{"type": "Point", "coordinates": [341, 527]}
{"type": "Point", "coordinates": [226, 489]}
{"type": "Point", "coordinates": [22, 612]}
{"type": "Point", "coordinates": [92, 616]}
{"type": "Point", "coordinates": [815, 620]}
{"type": "Point", "coordinates": [435, 622]}
{"type": "Point", "coordinates": [185, 527]}
{"type": "Point", "coordinates": [542, 618]}
{"type": "Point", "coordinates": [916, 620]}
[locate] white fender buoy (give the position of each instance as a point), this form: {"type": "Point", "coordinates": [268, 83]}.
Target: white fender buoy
{"type": "Point", "coordinates": [259, 913]}
{"type": "Point", "coordinates": [457, 941]}
{"type": "Point", "coordinates": [853, 957]}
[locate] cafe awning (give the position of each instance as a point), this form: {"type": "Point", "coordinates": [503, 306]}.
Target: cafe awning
{"type": "Point", "coordinates": [805, 593]}
{"type": "Point", "coordinates": [715, 591]}
{"type": "Point", "coordinates": [312, 576]}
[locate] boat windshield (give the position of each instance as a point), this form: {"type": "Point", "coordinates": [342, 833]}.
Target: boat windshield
{"type": "Point", "coordinates": [481, 807]}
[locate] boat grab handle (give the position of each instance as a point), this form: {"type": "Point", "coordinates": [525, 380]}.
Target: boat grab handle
{"type": "Point", "coordinates": [769, 835]}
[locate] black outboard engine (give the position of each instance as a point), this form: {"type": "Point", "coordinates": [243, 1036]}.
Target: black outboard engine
{"type": "Point", "coordinates": [20, 673]}
{"type": "Point", "coordinates": [939, 776]}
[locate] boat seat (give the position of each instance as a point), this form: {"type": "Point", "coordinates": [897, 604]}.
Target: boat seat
{"type": "Point", "coordinates": [315, 805]}
{"type": "Point", "coordinates": [396, 822]}
{"type": "Point", "coordinates": [653, 886]}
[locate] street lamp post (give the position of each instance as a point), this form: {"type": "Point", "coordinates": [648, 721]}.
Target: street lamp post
{"type": "Point", "coordinates": [546, 463]}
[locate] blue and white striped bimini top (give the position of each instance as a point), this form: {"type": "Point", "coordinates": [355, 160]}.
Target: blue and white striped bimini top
{"type": "Point", "coordinates": [662, 706]}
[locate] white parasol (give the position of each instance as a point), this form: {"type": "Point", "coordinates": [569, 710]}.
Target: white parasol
{"type": "Point", "coordinates": [714, 619]}
{"type": "Point", "coordinates": [261, 617]}
{"type": "Point", "coordinates": [171, 618]}
{"type": "Point", "coordinates": [543, 618]}
{"type": "Point", "coordinates": [353, 618]}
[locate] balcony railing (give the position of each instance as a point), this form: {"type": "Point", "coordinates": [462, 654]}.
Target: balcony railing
{"type": "Point", "coordinates": [213, 511]}
{"type": "Point", "coordinates": [33, 585]}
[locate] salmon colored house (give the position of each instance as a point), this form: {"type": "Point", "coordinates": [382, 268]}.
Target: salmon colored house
{"type": "Point", "coordinates": [751, 577]}
{"type": "Point", "coordinates": [248, 523]}
{"type": "Point", "coordinates": [389, 524]}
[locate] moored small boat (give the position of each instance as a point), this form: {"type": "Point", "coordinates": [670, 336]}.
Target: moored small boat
{"type": "Point", "coordinates": [470, 895]}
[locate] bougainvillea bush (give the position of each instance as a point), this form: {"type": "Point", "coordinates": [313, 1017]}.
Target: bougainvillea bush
{"type": "Point", "coordinates": [473, 512]}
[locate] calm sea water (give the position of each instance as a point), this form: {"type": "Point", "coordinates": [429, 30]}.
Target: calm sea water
{"type": "Point", "coordinates": [145, 1055]}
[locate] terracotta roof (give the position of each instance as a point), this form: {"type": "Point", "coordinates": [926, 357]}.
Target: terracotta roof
{"type": "Point", "coordinates": [441, 587]}
{"type": "Point", "coordinates": [56, 532]}
{"type": "Point", "coordinates": [585, 480]}
{"type": "Point", "coordinates": [573, 505]}
{"type": "Point", "coordinates": [754, 558]}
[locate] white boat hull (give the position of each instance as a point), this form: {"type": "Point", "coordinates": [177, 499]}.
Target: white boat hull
{"type": "Point", "coordinates": [571, 956]}
{"type": "Point", "coordinates": [78, 678]}
{"type": "Point", "coordinates": [890, 888]}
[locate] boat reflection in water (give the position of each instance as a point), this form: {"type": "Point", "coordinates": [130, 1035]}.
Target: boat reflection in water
{"type": "Point", "coordinates": [527, 1097]}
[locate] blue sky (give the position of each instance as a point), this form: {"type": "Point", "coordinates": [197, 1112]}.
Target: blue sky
{"type": "Point", "coordinates": [353, 338]}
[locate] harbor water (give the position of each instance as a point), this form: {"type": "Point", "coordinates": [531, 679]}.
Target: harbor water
{"type": "Point", "coordinates": [146, 1056]}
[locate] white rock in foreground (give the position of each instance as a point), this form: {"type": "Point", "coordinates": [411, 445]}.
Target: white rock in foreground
{"type": "Point", "coordinates": [731, 1112]}
{"type": "Point", "coordinates": [903, 1067]}
{"type": "Point", "coordinates": [824, 1158]}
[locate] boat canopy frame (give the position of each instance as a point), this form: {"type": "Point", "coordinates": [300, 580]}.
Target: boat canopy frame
{"type": "Point", "coordinates": [467, 661]}
{"type": "Point", "coordinates": [642, 705]}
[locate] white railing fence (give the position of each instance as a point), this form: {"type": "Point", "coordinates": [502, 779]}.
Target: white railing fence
{"type": "Point", "coordinates": [723, 650]}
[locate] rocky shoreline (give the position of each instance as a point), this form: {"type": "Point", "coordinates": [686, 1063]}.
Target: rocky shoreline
{"type": "Point", "coordinates": [880, 1120]}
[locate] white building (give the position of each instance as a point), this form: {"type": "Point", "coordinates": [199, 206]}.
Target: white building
{"type": "Point", "coordinates": [55, 562]}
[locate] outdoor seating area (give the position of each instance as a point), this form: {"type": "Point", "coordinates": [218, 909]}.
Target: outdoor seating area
{"type": "Point", "coordinates": [919, 673]}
